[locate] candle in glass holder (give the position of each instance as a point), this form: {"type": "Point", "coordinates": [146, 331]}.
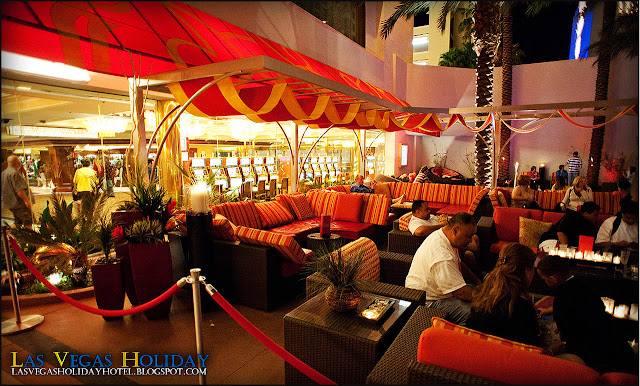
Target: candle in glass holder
{"type": "Point", "coordinates": [571, 252]}
{"type": "Point", "coordinates": [199, 199]}
{"type": "Point", "coordinates": [562, 253]}
{"type": "Point", "coordinates": [597, 257]}
{"type": "Point", "coordinates": [608, 304]}
{"type": "Point", "coordinates": [578, 255]}
{"type": "Point", "coordinates": [607, 257]}
{"type": "Point", "coordinates": [616, 260]}
{"type": "Point", "coordinates": [621, 311]}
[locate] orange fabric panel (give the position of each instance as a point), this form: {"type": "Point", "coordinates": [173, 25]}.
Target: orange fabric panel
{"type": "Point", "coordinates": [403, 221]}
{"type": "Point", "coordinates": [463, 194]}
{"type": "Point", "coordinates": [272, 214]}
{"type": "Point", "coordinates": [300, 206]}
{"type": "Point", "coordinates": [548, 199]}
{"type": "Point", "coordinates": [605, 200]}
{"type": "Point", "coordinates": [498, 362]}
{"type": "Point", "coordinates": [615, 202]}
{"type": "Point", "coordinates": [398, 188]}
{"type": "Point", "coordinates": [243, 213]}
{"type": "Point", "coordinates": [322, 202]}
{"type": "Point", "coordinates": [348, 208]}
{"type": "Point", "coordinates": [370, 269]}
{"type": "Point", "coordinates": [432, 192]}
{"type": "Point", "coordinates": [285, 245]}
{"type": "Point", "coordinates": [413, 192]}
{"type": "Point", "coordinates": [222, 229]}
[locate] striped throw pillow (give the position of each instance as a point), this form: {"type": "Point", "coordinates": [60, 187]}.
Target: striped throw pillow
{"type": "Point", "coordinates": [375, 208]}
{"type": "Point", "coordinates": [370, 268]}
{"type": "Point", "coordinates": [243, 213]}
{"type": "Point", "coordinates": [272, 214]}
{"type": "Point", "coordinates": [403, 221]}
{"type": "Point", "coordinates": [476, 201]}
{"type": "Point", "coordinates": [437, 322]}
{"type": "Point", "coordinates": [223, 229]}
{"type": "Point", "coordinates": [285, 245]}
{"type": "Point", "coordinates": [300, 206]}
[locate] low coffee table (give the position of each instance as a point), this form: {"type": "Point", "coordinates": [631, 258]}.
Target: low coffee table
{"type": "Point", "coordinates": [316, 242]}
{"type": "Point", "coordinates": [340, 345]}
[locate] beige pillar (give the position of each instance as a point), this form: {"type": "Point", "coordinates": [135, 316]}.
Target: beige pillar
{"type": "Point", "coordinates": [171, 155]}
{"type": "Point", "coordinates": [363, 152]}
{"type": "Point", "coordinates": [293, 186]}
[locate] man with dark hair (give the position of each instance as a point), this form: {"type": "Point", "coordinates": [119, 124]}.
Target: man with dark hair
{"type": "Point", "coordinates": [571, 226]}
{"type": "Point", "coordinates": [585, 328]}
{"type": "Point", "coordinates": [422, 222]}
{"type": "Point", "coordinates": [562, 173]}
{"type": "Point", "coordinates": [624, 189]}
{"type": "Point", "coordinates": [438, 270]}
{"type": "Point", "coordinates": [575, 164]}
{"type": "Point", "coordinates": [84, 179]}
{"type": "Point", "coordinates": [621, 231]}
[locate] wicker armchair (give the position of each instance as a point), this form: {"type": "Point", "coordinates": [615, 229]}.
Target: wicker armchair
{"type": "Point", "coordinates": [403, 241]}
{"type": "Point", "coordinates": [398, 365]}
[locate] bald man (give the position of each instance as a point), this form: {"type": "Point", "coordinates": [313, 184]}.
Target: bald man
{"type": "Point", "coordinates": [15, 192]}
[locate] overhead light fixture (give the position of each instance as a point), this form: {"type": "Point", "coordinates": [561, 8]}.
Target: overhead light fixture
{"type": "Point", "coordinates": [244, 130]}
{"type": "Point", "coordinates": [106, 126]}
{"type": "Point", "coordinates": [16, 62]}
{"type": "Point", "coordinates": [190, 126]}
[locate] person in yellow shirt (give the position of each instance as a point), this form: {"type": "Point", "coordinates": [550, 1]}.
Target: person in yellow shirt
{"type": "Point", "coordinates": [84, 179]}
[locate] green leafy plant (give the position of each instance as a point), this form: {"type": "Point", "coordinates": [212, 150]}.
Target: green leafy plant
{"type": "Point", "coordinates": [64, 239]}
{"type": "Point", "coordinates": [341, 271]}
{"type": "Point", "coordinates": [146, 232]}
{"type": "Point", "coordinates": [38, 288]}
{"type": "Point", "coordinates": [105, 231]}
{"type": "Point", "coordinates": [146, 196]}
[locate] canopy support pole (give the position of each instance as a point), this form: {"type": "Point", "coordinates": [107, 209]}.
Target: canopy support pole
{"type": "Point", "coordinates": [294, 162]}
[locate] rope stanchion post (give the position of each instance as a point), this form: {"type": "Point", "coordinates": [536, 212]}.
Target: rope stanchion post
{"type": "Point", "coordinates": [195, 280]}
{"type": "Point", "coordinates": [19, 323]}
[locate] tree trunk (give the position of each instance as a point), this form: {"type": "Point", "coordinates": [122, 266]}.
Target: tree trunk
{"type": "Point", "coordinates": [507, 69]}
{"type": "Point", "coordinates": [602, 86]}
{"type": "Point", "coordinates": [486, 40]}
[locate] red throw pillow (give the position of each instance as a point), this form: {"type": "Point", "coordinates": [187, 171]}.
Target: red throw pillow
{"type": "Point", "coordinates": [300, 206]}
{"type": "Point", "coordinates": [348, 208]}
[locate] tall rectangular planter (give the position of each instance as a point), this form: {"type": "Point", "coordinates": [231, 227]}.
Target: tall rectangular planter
{"type": "Point", "coordinates": [151, 271]}
{"type": "Point", "coordinates": [108, 288]}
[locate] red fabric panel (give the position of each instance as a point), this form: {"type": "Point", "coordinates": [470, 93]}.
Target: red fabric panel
{"type": "Point", "coordinates": [348, 208]}
{"type": "Point", "coordinates": [497, 362]}
{"type": "Point", "coordinates": [452, 209]}
{"type": "Point", "coordinates": [351, 230]}
{"type": "Point", "coordinates": [619, 379]}
{"type": "Point", "coordinates": [552, 217]}
{"type": "Point", "coordinates": [507, 222]}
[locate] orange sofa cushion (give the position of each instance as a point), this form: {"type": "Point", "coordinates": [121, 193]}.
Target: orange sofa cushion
{"type": "Point", "coordinates": [348, 208]}
{"type": "Point", "coordinates": [531, 230]}
{"type": "Point", "coordinates": [300, 206]}
{"type": "Point", "coordinates": [243, 213]}
{"type": "Point", "coordinates": [498, 362]}
{"type": "Point", "coordinates": [370, 268]}
{"type": "Point", "coordinates": [272, 214]}
{"type": "Point", "coordinates": [286, 245]}
{"type": "Point", "coordinates": [403, 221]}
{"type": "Point", "coordinates": [222, 228]}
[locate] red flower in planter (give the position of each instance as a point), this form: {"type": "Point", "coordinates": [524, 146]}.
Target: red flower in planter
{"type": "Point", "coordinates": [171, 206]}
{"type": "Point", "coordinates": [117, 233]}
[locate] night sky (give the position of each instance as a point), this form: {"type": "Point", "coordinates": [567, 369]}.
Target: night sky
{"type": "Point", "coordinates": [547, 36]}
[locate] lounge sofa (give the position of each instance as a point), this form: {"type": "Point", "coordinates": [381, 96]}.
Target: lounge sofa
{"type": "Point", "coordinates": [431, 350]}
{"type": "Point", "coordinates": [402, 241]}
{"type": "Point", "coordinates": [609, 201]}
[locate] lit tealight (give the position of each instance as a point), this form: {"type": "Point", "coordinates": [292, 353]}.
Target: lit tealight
{"type": "Point", "coordinates": [608, 304]}
{"type": "Point", "coordinates": [369, 314]}
{"type": "Point", "coordinates": [562, 253]}
{"type": "Point", "coordinates": [578, 255]}
{"type": "Point", "coordinates": [616, 259]}
{"type": "Point", "coordinates": [597, 257]}
{"type": "Point", "coordinates": [607, 257]}
{"type": "Point", "coordinates": [621, 311]}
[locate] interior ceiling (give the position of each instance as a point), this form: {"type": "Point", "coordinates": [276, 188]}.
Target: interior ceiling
{"type": "Point", "coordinates": [30, 100]}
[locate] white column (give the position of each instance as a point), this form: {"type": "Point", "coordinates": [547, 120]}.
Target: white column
{"type": "Point", "coordinates": [294, 162]}
{"type": "Point", "coordinates": [136, 99]}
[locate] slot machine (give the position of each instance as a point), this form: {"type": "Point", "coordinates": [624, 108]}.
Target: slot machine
{"type": "Point", "coordinates": [332, 170]}
{"type": "Point", "coordinates": [370, 166]}
{"type": "Point", "coordinates": [245, 169]}
{"type": "Point", "coordinates": [218, 173]}
{"type": "Point", "coordinates": [307, 171]}
{"type": "Point", "coordinates": [271, 168]}
{"type": "Point", "coordinates": [233, 171]}
{"type": "Point", "coordinates": [315, 166]}
{"type": "Point", "coordinates": [336, 165]}
{"type": "Point", "coordinates": [260, 169]}
{"type": "Point", "coordinates": [323, 166]}
{"type": "Point", "coordinates": [199, 168]}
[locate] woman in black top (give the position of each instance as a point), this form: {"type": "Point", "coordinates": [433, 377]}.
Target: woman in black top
{"type": "Point", "coordinates": [501, 306]}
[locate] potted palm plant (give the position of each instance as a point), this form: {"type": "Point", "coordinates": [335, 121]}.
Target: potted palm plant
{"type": "Point", "coordinates": [342, 272]}
{"type": "Point", "coordinates": [106, 273]}
{"type": "Point", "coordinates": [150, 264]}
{"type": "Point", "coordinates": [64, 239]}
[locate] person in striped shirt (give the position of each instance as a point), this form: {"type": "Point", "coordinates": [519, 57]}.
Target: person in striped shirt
{"type": "Point", "coordinates": [574, 164]}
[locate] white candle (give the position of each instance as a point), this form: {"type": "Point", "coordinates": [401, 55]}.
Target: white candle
{"type": "Point", "coordinates": [616, 260]}
{"type": "Point", "coordinates": [597, 257]}
{"type": "Point", "coordinates": [578, 255]}
{"type": "Point", "coordinates": [607, 257]}
{"type": "Point", "coordinates": [199, 199]}
{"type": "Point", "coordinates": [562, 253]}
{"type": "Point", "coordinates": [633, 312]}
{"type": "Point", "coordinates": [608, 304]}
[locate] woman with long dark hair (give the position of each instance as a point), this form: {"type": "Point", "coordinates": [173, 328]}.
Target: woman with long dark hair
{"type": "Point", "coordinates": [501, 305]}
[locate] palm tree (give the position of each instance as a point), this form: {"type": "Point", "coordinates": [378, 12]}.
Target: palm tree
{"type": "Point", "coordinates": [486, 38]}
{"type": "Point", "coordinates": [619, 35]}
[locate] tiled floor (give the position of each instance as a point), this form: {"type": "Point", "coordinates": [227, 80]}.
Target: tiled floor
{"type": "Point", "coordinates": [236, 357]}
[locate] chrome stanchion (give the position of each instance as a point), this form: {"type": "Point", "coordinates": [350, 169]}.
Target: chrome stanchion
{"type": "Point", "coordinates": [195, 280]}
{"type": "Point", "coordinates": [19, 323]}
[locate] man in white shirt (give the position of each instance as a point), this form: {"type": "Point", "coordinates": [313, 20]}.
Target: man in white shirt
{"type": "Point", "coordinates": [437, 268]}
{"type": "Point", "coordinates": [422, 222]}
{"type": "Point", "coordinates": [625, 236]}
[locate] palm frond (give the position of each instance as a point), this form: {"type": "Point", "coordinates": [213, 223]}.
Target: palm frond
{"type": "Point", "coordinates": [405, 9]}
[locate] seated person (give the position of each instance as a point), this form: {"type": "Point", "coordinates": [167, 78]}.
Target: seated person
{"type": "Point", "coordinates": [571, 226]}
{"type": "Point", "coordinates": [438, 270]}
{"type": "Point", "coordinates": [502, 306]}
{"type": "Point", "coordinates": [576, 195]}
{"type": "Point", "coordinates": [624, 187]}
{"type": "Point", "coordinates": [422, 222]}
{"type": "Point", "coordinates": [371, 183]}
{"type": "Point", "coordinates": [620, 232]}
{"type": "Point", "coordinates": [421, 178]}
{"type": "Point", "coordinates": [585, 328]}
{"type": "Point", "coordinates": [562, 173]}
{"type": "Point", "coordinates": [561, 184]}
{"type": "Point", "coordinates": [522, 195]}
{"type": "Point", "coordinates": [535, 178]}
{"type": "Point", "coordinates": [359, 186]}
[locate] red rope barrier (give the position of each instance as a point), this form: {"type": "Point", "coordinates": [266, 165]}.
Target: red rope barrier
{"type": "Point", "coordinates": [269, 343]}
{"type": "Point", "coordinates": [143, 307]}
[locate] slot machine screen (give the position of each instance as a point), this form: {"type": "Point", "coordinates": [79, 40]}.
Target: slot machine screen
{"type": "Point", "coordinates": [216, 161]}
{"type": "Point", "coordinates": [197, 162]}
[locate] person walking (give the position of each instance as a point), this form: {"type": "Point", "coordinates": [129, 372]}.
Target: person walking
{"type": "Point", "coordinates": [15, 192]}
{"type": "Point", "coordinates": [574, 164]}
{"type": "Point", "coordinates": [84, 179]}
